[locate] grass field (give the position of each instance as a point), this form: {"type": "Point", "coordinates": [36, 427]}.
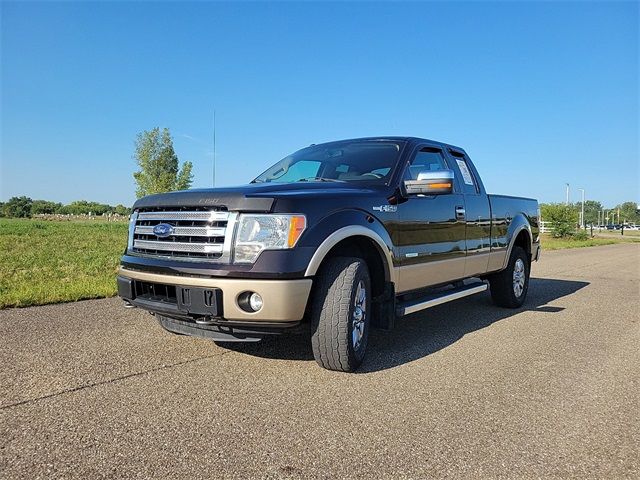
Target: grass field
{"type": "Point", "coordinates": [616, 233]}
{"type": "Point", "coordinates": [48, 262]}
{"type": "Point", "coordinates": [550, 243]}
{"type": "Point", "coordinates": [59, 261]}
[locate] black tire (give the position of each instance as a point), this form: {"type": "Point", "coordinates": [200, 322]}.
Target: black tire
{"type": "Point", "coordinates": [504, 293]}
{"type": "Point", "coordinates": [334, 316]}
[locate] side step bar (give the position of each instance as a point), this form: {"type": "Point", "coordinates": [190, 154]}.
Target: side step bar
{"type": "Point", "coordinates": [432, 300]}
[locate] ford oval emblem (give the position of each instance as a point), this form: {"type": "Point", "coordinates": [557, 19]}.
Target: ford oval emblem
{"type": "Point", "coordinates": [162, 230]}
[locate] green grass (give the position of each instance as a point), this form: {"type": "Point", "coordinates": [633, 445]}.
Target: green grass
{"type": "Point", "coordinates": [550, 243]}
{"type": "Point", "coordinates": [58, 261]}
{"type": "Point", "coordinates": [627, 233]}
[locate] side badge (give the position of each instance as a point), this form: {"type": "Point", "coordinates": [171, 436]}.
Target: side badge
{"type": "Point", "coordinates": [386, 208]}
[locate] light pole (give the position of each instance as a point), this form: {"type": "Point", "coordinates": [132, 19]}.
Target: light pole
{"type": "Point", "coordinates": [214, 148]}
{"type": "Point", "coordinates": [567, 193]}
{"type": "Point", "coordinates": [600, 218]}
{"type": "Point", "coordinates": [582, 212]}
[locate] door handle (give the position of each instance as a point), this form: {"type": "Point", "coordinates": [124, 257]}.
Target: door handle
{"type": "Point", "coordinates": [460, 213]}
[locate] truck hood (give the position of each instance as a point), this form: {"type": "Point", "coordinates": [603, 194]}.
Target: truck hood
{"type": "Point", "coordinates": [255, 197]}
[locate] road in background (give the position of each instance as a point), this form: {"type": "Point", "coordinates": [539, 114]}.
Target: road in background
{"type": "Point", "coordinates": [91, 390]}
{"type": "Point", "coordinates": [616, 233]}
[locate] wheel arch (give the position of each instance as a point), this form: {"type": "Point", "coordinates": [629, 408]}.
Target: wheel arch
{"type": "Point", "coordinates": [356, 240]}
{"type": "Point", "coordinates": [520, 236]}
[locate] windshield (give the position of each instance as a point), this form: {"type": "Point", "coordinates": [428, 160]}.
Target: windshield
{"type": "Point", "coordinates": [356, 161]}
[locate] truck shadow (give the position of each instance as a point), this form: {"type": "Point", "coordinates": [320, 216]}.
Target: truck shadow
{"type": "Point", "coordinates": [421, 334]}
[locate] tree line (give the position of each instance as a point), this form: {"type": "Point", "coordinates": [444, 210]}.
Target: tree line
{"type": "Point", "coordinates": [25, 207]}
{"type": "Point", "coordinates": [594, 212]}
{"type": "Point", "coordinates": [564, 219]}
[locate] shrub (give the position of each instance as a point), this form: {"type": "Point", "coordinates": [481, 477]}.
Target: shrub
{"type": "Point", "coordinates": [122, 210]}
{"type": "Point", "coordinates": [580, 235]}
{"type": "Point", "coordinates": [563, 219]}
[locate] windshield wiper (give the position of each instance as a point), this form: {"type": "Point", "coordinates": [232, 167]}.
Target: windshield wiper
{"type": "Point", "coordinates": [320, 179]}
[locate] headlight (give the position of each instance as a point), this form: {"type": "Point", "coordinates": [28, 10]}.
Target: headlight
{"type": "Point", "coordinates": [266, 232]}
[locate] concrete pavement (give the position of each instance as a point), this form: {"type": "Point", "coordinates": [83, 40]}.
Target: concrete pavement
{"type": "Point", "coordinates": [91, 390]}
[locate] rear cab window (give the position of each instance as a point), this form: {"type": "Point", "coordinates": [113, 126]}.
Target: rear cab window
{"type": "Point", "coordinates": [464, 173]}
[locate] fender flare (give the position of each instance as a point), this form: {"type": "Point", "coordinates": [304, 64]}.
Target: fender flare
{"type": "Point", "coordinates": [519, 224]}
{"type": "Point", "coordinates": [344, 233]}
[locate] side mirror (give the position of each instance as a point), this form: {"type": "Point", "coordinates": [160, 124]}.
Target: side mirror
{"type": "Point", "coordinates": [434, 182]}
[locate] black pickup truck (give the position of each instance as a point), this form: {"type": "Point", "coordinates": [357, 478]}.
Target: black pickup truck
{"type": "Point", "coordinates": [345, 236]}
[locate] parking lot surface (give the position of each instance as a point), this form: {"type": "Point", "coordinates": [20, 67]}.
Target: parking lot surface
{"type": "Point", "coordinates": [93, 390]}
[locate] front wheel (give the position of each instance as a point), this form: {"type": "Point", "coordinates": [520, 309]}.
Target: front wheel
{"type": "Point", "coordinates": [509, 287]}
{"type": "Point", "coordinates": [340, 314]}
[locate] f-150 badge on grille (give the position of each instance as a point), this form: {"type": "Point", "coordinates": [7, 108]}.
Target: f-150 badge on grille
{"type": "Point", "coordinates": [162, 230]}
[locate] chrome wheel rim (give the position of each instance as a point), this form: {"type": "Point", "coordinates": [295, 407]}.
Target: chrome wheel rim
{"type": "Point", "coordinates": [518, 278]}
{"type": "Point", "coordinates": [359, 315]}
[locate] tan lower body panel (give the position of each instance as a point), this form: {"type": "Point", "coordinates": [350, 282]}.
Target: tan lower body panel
{"type": "Point", "coordinates": [497, 259]}
{"type": "Point", "coordinates": [427, 274]}
{"type": "Point", "coordinates": [284, 300]}
{"type": "Point", "coordinates": [420, 275]}
{"type": "Point", "coordinates": [476, 264]}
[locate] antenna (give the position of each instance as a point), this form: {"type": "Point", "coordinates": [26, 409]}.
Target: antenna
{"type": "Point", "coordinates": [214, 147]}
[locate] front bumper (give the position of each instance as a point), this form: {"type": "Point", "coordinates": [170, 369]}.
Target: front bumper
{"type": "Point", "coordinates": [285, 301]}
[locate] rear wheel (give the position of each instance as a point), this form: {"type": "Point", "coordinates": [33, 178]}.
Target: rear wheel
{"type": "Point", "coordinates": [340, 314]}
{"type": "Point", "coordinates": [509, 287]}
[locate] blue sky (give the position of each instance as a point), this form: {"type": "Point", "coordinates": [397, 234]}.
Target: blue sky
{"type": "Point", "coordinates": [539, 94]}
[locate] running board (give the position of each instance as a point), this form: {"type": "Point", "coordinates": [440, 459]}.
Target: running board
{"type": "Point", "coordinates": [439, 298]}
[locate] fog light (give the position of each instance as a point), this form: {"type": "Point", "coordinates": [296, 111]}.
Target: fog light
{"type": "Point", "coordinates": [255, 302]}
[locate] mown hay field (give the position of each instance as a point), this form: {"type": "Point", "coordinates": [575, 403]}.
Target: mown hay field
{"type": "Point", "coordinates": [58, 261]}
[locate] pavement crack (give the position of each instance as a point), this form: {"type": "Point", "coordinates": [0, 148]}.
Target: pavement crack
{"type": "Point", "coordinates": [112, 380]}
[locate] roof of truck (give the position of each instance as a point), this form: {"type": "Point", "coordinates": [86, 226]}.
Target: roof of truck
{"type": "Point", "coordinates": [396, 138]}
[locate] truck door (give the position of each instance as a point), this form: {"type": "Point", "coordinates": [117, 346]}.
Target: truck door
{"type": "Point", "coordinates": [477, 214]}
{"type": "Point", "coordinates": [429, 235]}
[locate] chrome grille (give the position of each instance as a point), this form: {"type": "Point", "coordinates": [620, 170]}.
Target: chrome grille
{"type": "Point", "coordinates": [187, 231]}
{"type": "Point", "coordinates": [198, 233]}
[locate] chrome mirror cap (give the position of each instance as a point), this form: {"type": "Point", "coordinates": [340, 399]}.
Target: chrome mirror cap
{"type": "Point", "coordinates": [430, 182]}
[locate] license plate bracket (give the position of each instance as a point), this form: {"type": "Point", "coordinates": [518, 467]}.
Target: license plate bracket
{"type": "Point", "coordinates": [200, 301]}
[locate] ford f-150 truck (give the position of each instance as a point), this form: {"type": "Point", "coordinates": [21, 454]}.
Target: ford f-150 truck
{"type": "Point", "coordinates": [344, 236]}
